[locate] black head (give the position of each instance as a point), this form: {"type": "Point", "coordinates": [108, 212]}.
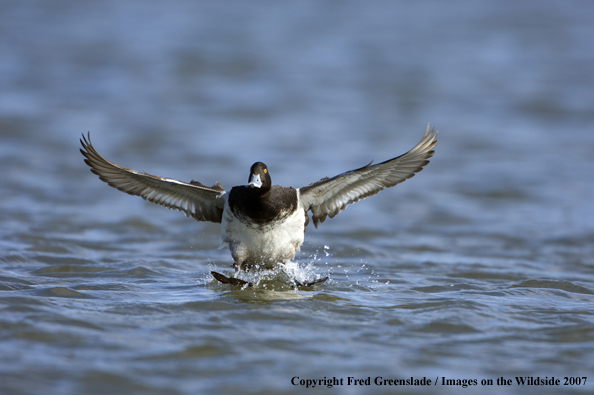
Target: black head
{"type": "Point", "coordinates": [259, 177]}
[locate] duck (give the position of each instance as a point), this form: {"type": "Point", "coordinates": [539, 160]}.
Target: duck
{"type": "Point", "coordinates": [262, 224]}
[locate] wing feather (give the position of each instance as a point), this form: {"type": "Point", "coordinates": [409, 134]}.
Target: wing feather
{"type": "Point", "coordinates": [329, 196]}
{"type": "Point", "coordinates": [194, 199]}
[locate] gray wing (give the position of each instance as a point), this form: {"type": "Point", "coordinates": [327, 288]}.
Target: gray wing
{"type": "Point", "coordinates": [194, 199]}
{"type": "Point", "coordinates": [329, 196]}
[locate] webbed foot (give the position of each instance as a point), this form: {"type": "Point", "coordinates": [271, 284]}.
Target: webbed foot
{"type": "Point", "coordinates": [230, 280]}
{"type": "Point", "coordinates": [310, 283]}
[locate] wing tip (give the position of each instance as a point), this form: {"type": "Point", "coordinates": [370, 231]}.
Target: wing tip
{"type": "Point", "coordinates": [86, 141]}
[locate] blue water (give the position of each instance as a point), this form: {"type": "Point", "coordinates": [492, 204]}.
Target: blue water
{"type": "Point", "coordinates": [480, 267]}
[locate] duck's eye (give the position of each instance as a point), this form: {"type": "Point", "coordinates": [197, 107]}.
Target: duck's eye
{"type": "Point", "coordinates": [265, 171]}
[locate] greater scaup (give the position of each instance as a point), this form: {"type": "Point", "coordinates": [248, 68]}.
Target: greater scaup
{"type": "Point", "coordinates": [263, 225]}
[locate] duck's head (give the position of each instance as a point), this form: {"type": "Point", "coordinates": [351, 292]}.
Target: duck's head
{"type": "Point", "coordinates": [259, 177]}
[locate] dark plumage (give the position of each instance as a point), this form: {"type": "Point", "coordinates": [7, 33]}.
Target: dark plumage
{"type": "Point", "coordinates": [251, 204]}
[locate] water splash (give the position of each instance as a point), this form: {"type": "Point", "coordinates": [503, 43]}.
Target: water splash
{"type": "Point", "coordinates": [283, 277]}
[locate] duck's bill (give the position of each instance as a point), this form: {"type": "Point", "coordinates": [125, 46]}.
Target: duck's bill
{"type": "Point", "coordinates": [255, 181]}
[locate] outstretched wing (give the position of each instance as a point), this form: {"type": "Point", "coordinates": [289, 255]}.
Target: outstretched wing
{"type": "Point", "coordinates": [194, 199]}
{"type": "Point", "coordinates": [329, 196]}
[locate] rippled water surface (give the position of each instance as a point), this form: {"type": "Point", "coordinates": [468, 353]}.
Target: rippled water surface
{"type": "Point", "coordinates": [480, 267]}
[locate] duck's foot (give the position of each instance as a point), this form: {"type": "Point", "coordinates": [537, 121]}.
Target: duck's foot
{"type": "Point", "coordinates": [230, 280]}
{"type": "Point", "coordinates": [310, 283]}
{"type": "Point", "coordinates": [238, 282]}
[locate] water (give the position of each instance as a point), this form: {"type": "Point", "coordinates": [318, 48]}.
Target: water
{"type": "Point", "coordinates": [478, 268]}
